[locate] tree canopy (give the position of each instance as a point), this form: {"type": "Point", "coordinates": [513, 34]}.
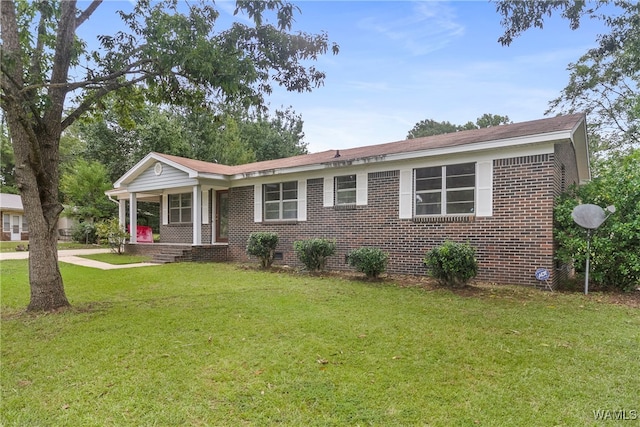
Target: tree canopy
{"type": "Point", "coordinates": [604, 82]}
{"type": "Point", "coordinates": [431, 127]}
{"type": "Point", "coordinates": [168, 52]}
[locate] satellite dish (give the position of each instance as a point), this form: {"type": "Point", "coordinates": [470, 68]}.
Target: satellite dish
{"type": "Point", "coordinates": [588, 216]}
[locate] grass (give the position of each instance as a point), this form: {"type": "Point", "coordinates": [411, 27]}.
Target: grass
{"type": "Point", "coordinates": [6, 246]}
{"type": "Point", "coordinates": [215, 344]}
{"type": "Point", "coordinates": [117, 259]}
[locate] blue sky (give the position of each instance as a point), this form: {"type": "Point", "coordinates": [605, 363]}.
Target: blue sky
{"type": "Point", "coordinates": [404, 61]}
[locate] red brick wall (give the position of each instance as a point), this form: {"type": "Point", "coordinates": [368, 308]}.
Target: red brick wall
{"type": "Point", "coordinates": [510, 245]}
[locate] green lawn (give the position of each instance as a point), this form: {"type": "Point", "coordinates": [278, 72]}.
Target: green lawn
{"type": "Point", "coordinates": [117, 259]}
{"type": "Point", "coordinates": [218, 345]}
{"type": "Point", "coordinates": [11, 246]}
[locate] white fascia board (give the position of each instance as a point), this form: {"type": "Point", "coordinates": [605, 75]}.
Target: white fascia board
{"type": "Point", "coordinates": [213, 176]}
{"type": "Point", "coordinates": [146, 162]}
{"type": "Point", "coordinates": [510, 143]}
{"type": "Point", "coordinates": [581, 147]}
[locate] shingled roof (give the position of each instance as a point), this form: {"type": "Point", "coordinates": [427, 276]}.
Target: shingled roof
{"type": "Point", "coordinates": [468, 137]}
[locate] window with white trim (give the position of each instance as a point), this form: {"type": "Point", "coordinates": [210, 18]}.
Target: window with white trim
{"type": "Point", "coordinates": [345, 190]}
{"type": "Point", "coordinates": [25, 225]}
{"type": "Point", "coordinates": [445, 190]}
{"type": "Point", "coordinates": [280, 201]}
{"type": "Point", "coordinates": [180, 208]}
{"type": "Point", "coordinates": [6, 223]}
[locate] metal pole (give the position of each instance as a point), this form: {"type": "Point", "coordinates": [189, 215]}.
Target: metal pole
{"type": "Point", "coordinates": [586, 275]}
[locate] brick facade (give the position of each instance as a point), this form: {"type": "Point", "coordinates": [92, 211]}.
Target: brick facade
{"type": "Point", "coordinates": [511, 244]}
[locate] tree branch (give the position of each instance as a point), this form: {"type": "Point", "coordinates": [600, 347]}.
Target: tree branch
{"type": "Point", "coordinates": [91, 100]}
{"type": "Point", "coordinates": [87, 12]}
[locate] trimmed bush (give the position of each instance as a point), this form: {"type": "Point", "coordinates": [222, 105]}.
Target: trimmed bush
{"type": "Point", "coordinates": [263, 244]}
{"type": "Point", "coordinates": [84, 232]}
{"type": "Point", "coordinates": [370, 261]}
{"type": "Point", "coordinates": [452, 264]}
{"type": "Point", "coordinates": [313, 253]}
{"type": "Point", "coordinates": [109, 231]}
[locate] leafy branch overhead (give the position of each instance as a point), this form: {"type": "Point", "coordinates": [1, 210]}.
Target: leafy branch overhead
{"type": "Point", "coordinates": [168, 52]}
{"type": "Point", "coordinates": [604, 82]}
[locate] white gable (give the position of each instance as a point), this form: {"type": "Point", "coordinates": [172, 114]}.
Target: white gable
{"type": "Point", "coordinates": [160, 177]}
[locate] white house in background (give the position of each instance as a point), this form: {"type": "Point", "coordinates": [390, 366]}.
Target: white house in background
{"type": "Point", "coordinates": [14, 223]}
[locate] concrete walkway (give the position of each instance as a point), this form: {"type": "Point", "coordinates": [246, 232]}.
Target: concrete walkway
{"type": "Point", "coordinates": [70, 256]}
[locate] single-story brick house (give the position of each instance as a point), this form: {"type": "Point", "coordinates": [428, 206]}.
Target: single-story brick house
{"type": "Point", "coordinates": [493, 187]}
{"type": "Point", "coordinates": [14, 223]}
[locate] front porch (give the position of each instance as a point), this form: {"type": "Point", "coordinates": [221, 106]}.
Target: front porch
{"type": "Point", "coordinates": [163, 253]}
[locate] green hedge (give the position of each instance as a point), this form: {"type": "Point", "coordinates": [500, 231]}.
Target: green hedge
{"type": "Point", "coordinates": [452, 264]}
{"type": "Point", "coordinates": [313, 253]}
{"type": "Point", "coordinates": [263, 245]}
{"type": "Point", "coordinates": [370, 261]}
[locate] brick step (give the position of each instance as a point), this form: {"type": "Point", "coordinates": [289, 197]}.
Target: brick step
{"type": "Point", "coordinates": [169, 255]}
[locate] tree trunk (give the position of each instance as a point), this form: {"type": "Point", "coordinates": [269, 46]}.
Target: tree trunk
{"type": "Point", "coordinates": [47, 290]}
{"type": "Point", "coordinates": [39, 191]}
{"type": "Point", "coordinates": [35, 128]}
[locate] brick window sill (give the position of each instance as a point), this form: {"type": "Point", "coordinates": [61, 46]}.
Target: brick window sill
{"type": "Point", "coordinates": [444, 218]}
{"type": "Point", "coordinates": [280, 222]}
{"type": "Point", "coordinates": [345, 207]}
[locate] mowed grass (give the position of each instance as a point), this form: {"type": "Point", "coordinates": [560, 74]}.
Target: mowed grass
{"type": "Point", "coordinates": [219, 345]}
{"type": "Point", "coordinates": [6, 246]}
{"type": "Point", "coordinates": [117, 259]}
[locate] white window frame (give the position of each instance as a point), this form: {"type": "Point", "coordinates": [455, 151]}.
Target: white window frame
{"type": "Point", "coordinates": [444, 191]}
{"type": "Point", "coordinates": [6, 223]}
{"type": "Point", "coordinates": [183, 219]}
{"type": "Point", "coordinates": [283, 205]}
{"type": "Point", "coordinates": [342, 191]}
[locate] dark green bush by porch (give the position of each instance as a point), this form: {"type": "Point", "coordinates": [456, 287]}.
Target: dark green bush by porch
{"type": "Point", "coordinates": [262, 244]}
{"type": "Point", "coordinates": [452, 264]}
{"type": "Point", "coordinates": [313, 253]}
{"type": "Point", "coordinates": [370, 261]}
{"type": "Point", "coordinates": [84, 232]}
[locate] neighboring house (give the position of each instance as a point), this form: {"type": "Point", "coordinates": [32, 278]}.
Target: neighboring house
{"type": "Point", "coordinates": [14, 223]}
{"type": "Point", "coordinates": [493, 187]}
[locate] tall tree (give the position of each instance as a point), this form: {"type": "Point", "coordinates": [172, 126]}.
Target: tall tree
{"type": "Point", "coordinates": [177, 57]}
{"type": "Point", "coordinates": [7, 162]}
{"type": "Point", "coordinates": [431, 127]}
{"type": "Point", "coordinates": [83, 186]}
{"type": "Point", "coordinates": [605, 81]}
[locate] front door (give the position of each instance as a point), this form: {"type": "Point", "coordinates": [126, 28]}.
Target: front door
{"type": "Point", "coordinates": [15, 227]}
{"type": "Point", "coordinates": [222, 216]}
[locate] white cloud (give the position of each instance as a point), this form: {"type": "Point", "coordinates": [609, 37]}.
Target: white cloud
{"type": "Point", "coordinates": [429, 27]}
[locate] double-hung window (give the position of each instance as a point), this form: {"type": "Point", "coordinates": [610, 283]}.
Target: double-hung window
{"type": "Point", "coordinates": [6, 223]}
{"type": "Point", "coordinates": [345, 190]}
{"type": "Point", "coordinates": [281, 201]}
{"type": "Point", "coordinates": [445, 190]}
{"type": "Point", "coordinates": [180, 208]}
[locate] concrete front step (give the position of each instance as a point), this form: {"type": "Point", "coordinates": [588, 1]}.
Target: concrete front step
{"type": "Point", "coordinates": [169, 255]}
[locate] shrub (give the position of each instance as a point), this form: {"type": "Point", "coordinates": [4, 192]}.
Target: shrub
{"type": "Point", "coordinates": [263, 244]}
{"type": "Point", "coordinates": [111, 232]}
{"type": "Point", "coordinates": [452, 264]}
{"type": "Point", "coordinates": [615, 245]}
{"type": "Point", "coordinates": [313, 253]}
{"type": "Point", "coordinates": [84, 232]}
{"type": "Point", "coordinates": [370, 261]}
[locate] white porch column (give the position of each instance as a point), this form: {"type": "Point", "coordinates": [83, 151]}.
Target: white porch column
{"type": "Point", "coordinates": [122, 213]}
{"type": "Point", "coordinates": [196, 214]}
{"type": "Point", "coordinates": [133, 218]}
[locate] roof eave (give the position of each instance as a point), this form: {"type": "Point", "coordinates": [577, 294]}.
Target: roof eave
{"type": "Point", "coordinates": [565, 135]}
